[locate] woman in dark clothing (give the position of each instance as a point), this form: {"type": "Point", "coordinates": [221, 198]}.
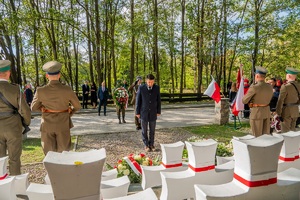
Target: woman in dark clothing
{"type": "Point", "coordinates": [94, 95]}
{"type": "Point", "coordinates": [232, 92]}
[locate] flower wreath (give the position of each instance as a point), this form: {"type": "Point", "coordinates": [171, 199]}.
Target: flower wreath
{"type": "Point", "coordinates": [131, 166]}
{"type": "Point", "coordinates": [120, 96]}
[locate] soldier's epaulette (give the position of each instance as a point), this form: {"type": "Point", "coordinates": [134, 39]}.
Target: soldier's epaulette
{"type": "Point", "coordinates": [14, 84]}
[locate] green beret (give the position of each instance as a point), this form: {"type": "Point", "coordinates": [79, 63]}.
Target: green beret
{"type": "Point", "coordinates": [290, 70]}
{"type": "Point", "coordinates": [261, 70]}
{"type": "Point", "coordinates": [52, 67]}
{"type": "Point", "coordinates": [4, 65]}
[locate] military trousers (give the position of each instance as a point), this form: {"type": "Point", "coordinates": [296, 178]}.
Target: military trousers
{"type": "Point", "coordinates": [260, 126]}
{"type": "Point", "coordinates": [288, 124]}
{"type": "Point", "coordinates": [120, 110]}
{"type": "Point", "coordinates": [56, 141]}
{"type": "Point", "coordinates": [11, 142]}
{"type": "Point", "coordinates": [136, 119]}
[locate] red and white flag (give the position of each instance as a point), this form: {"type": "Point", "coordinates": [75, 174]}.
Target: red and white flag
{"type": "Point", "coordinates": [213, 91]}
{"type": "Point", "coordinates": [237, 104]}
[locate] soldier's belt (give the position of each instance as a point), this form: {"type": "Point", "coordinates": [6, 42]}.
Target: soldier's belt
{"type": "Point", "coordinates": [7, 114]}
{"type": "Point", "coordinates": [251, 105]}
{"type": "Point", "coordinates": [290, 104]}
{"type": "Point", "coordinates": [44, 110]}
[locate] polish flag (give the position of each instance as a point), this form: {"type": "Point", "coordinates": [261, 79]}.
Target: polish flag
{"type": "Point", "coordinates": [237, 104]}
{"type": "Point", "coordinates": [213, 91]}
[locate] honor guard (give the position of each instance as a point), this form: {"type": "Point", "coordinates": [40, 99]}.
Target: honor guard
{"type": "Point", "coordinates": [12, 107]}
{"type": "Point", "coordinates": [57, 102]}
{"type": "Point", "coordinates": [288, 101]}
{"type": "Point", "coordinates": [258, 97]}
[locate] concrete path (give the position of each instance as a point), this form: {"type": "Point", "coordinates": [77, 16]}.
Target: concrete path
{"type": "Point", "coordinates": [87, 121]}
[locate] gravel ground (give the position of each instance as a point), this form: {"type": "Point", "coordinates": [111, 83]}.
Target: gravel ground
{"type": "Point", "coordinates": [117, 145]}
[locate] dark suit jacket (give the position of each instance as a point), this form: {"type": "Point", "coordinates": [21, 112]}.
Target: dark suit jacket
{"type": "Point", "coordinates": [103, 96]}
{"type": "Point", "coordinates": [148, 103]}
{"type": "Point", "coordinates": [85, 88]}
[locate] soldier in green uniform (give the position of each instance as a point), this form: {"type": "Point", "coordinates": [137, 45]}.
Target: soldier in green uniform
{"type": "Point", "coordinates": [10, 120]}
{"type": "Point", "coordinates": [288, 101]}
{"type": "Point", "coordinates": [258, 97]}
{"type": "Point", "coordinates": [134, 88]}
{"type": "Point", "coordinates": [57, 102]}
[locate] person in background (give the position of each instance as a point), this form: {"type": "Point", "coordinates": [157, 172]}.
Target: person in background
{"type": "Point", "coordinates": [134, 88]}
{"type": "Point", "coordinates": [288, 101]}
{"type": "Point", "coordinates": [246, 106]}
{"type": "Point", "coordinates": [85, 94]}
{"type": "Point", "coordinates": [28, 94]}
{"type": "Point", "coordinates": [125, 85]}
{"type": "Point", "coordinates": [258, 97]}
{"type": "Point", "coordinates": [10, 121]}
{"type": "Point", "coordinates": [58, 103]}
{"type": "Point", "coordinates": [120, 96]}
{"type": "Point", "coordinates": [94, 95]}
{"type": "Point", "coordinates": [148, 107]}
{"type": "Point", "coordinates": [274, 99]}
{"type": "Point", "coordinates": [102, 95]}
{"type": "Point", "coordinates": [232, 92]}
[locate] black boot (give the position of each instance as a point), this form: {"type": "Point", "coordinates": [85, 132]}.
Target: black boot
{"type": "Point", "coordinates": [123, 117]}
{"type": "Point", "coordinates": [119, 120]}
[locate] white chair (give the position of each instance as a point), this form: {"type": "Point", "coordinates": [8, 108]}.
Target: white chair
{"type": "Point", "coordinates": [180, 185]}
{"type": "Point", "coordinates": [289, 154]}
{"type": "Point", "coordinates": [109, 175]}
{"type": "Point", "coordinates": [3, 167]}
{"type": "Point", "coordinates": [7, 190]}
{"type": "Point", "coordinates": [106, 175]}
{"type": "Point", "coordinates": [147, 194]}
{"type": "Point", "coordinates": [115, 187]}
{"type": "Point", "coordinates": [39, 192]}
{"type": "Point", "coordinates": [21, 183]}
{"type": "Point", "coordinates": [171, 161]}
{"type": "Point", "coordinates": [223, 160]}
{"type": "Point", "coordinates": [255, 173]}
{"type": "Point", "coordinates": [75, 175]}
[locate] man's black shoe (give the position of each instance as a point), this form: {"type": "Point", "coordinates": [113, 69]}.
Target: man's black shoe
{"type": "Point", "coordinates": [98, 114]}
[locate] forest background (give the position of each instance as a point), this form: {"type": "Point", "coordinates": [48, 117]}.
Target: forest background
{"type": "Point", "coordinates": [184, 43]}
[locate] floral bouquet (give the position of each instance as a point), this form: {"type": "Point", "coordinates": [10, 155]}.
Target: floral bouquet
{"type": "Point", "coordinates": [120, 96]}
{"type": "Point", "coordinates": [131, 166]}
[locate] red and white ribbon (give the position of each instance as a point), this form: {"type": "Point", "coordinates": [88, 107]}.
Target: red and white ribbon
{"type": "Point", "coordinates": [202, 169]}
{"type": "Point", "coordinates": [171, 165]}
{"type": "Point", "coordinates": [4, 176]}
{"type": "Point", "coordinates": [135, 166]}
{"type": "Point", "coordinates": [288, 159]}
{"type": "Point", "coordinates": [255, 183]}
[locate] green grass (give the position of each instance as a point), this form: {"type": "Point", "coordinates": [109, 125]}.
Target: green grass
{"type": "Point", "coordinates": [222, 133]}
{"type": "Point", "coordinates": [33, 152]}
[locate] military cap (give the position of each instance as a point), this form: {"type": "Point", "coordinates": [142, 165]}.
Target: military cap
{"type": "Point", "coordinates": [290, 70]}
{"type": "Point", "coordinates": [52, 67]}
{"type": "Point", "coordinates": [261, 70]}
{"type": "Point", "coordinates": [4, 65]}
{"type": "Point", "coordinates": [139, 78]}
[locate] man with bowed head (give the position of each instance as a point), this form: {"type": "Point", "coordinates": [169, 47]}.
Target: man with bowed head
{"type": "Point", "coordinates": [57, 102]}
{"type": "Point", "coordinates": [10, 120]}
{"type": "Point", "coordinates": [148, 107]}
{"type": "Point", "coordinates": [258, 97]}
{"type": "Point", "coordinates": [288, 101]}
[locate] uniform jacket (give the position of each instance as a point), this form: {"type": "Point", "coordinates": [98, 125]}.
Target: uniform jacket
{"type": "Point", "coordinates": [260, 93]}
{"type": "Point", "coordinates": [148, 103]}
{"type": "Point", "coordinates": [134, 88]}
{"type": "Point", "coordinates": [102, 95]}
{"type": "Point", "coordinates": [13, 95]}
{"type": "Point", "coordinates": [288, 94]}
{"type": "Point", "coordinates": [55, 96]}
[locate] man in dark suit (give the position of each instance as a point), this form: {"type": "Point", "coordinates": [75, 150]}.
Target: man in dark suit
{"type": "Point", "coordinates": [148, 107]}
{"type": "Point", "coordinates": [85, 94]}
{"type": "Point", "coordinates": [102, 95]}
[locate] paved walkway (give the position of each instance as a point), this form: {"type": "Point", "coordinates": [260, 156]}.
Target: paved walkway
{"type": "Point", "coordinates": [87, 121]}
